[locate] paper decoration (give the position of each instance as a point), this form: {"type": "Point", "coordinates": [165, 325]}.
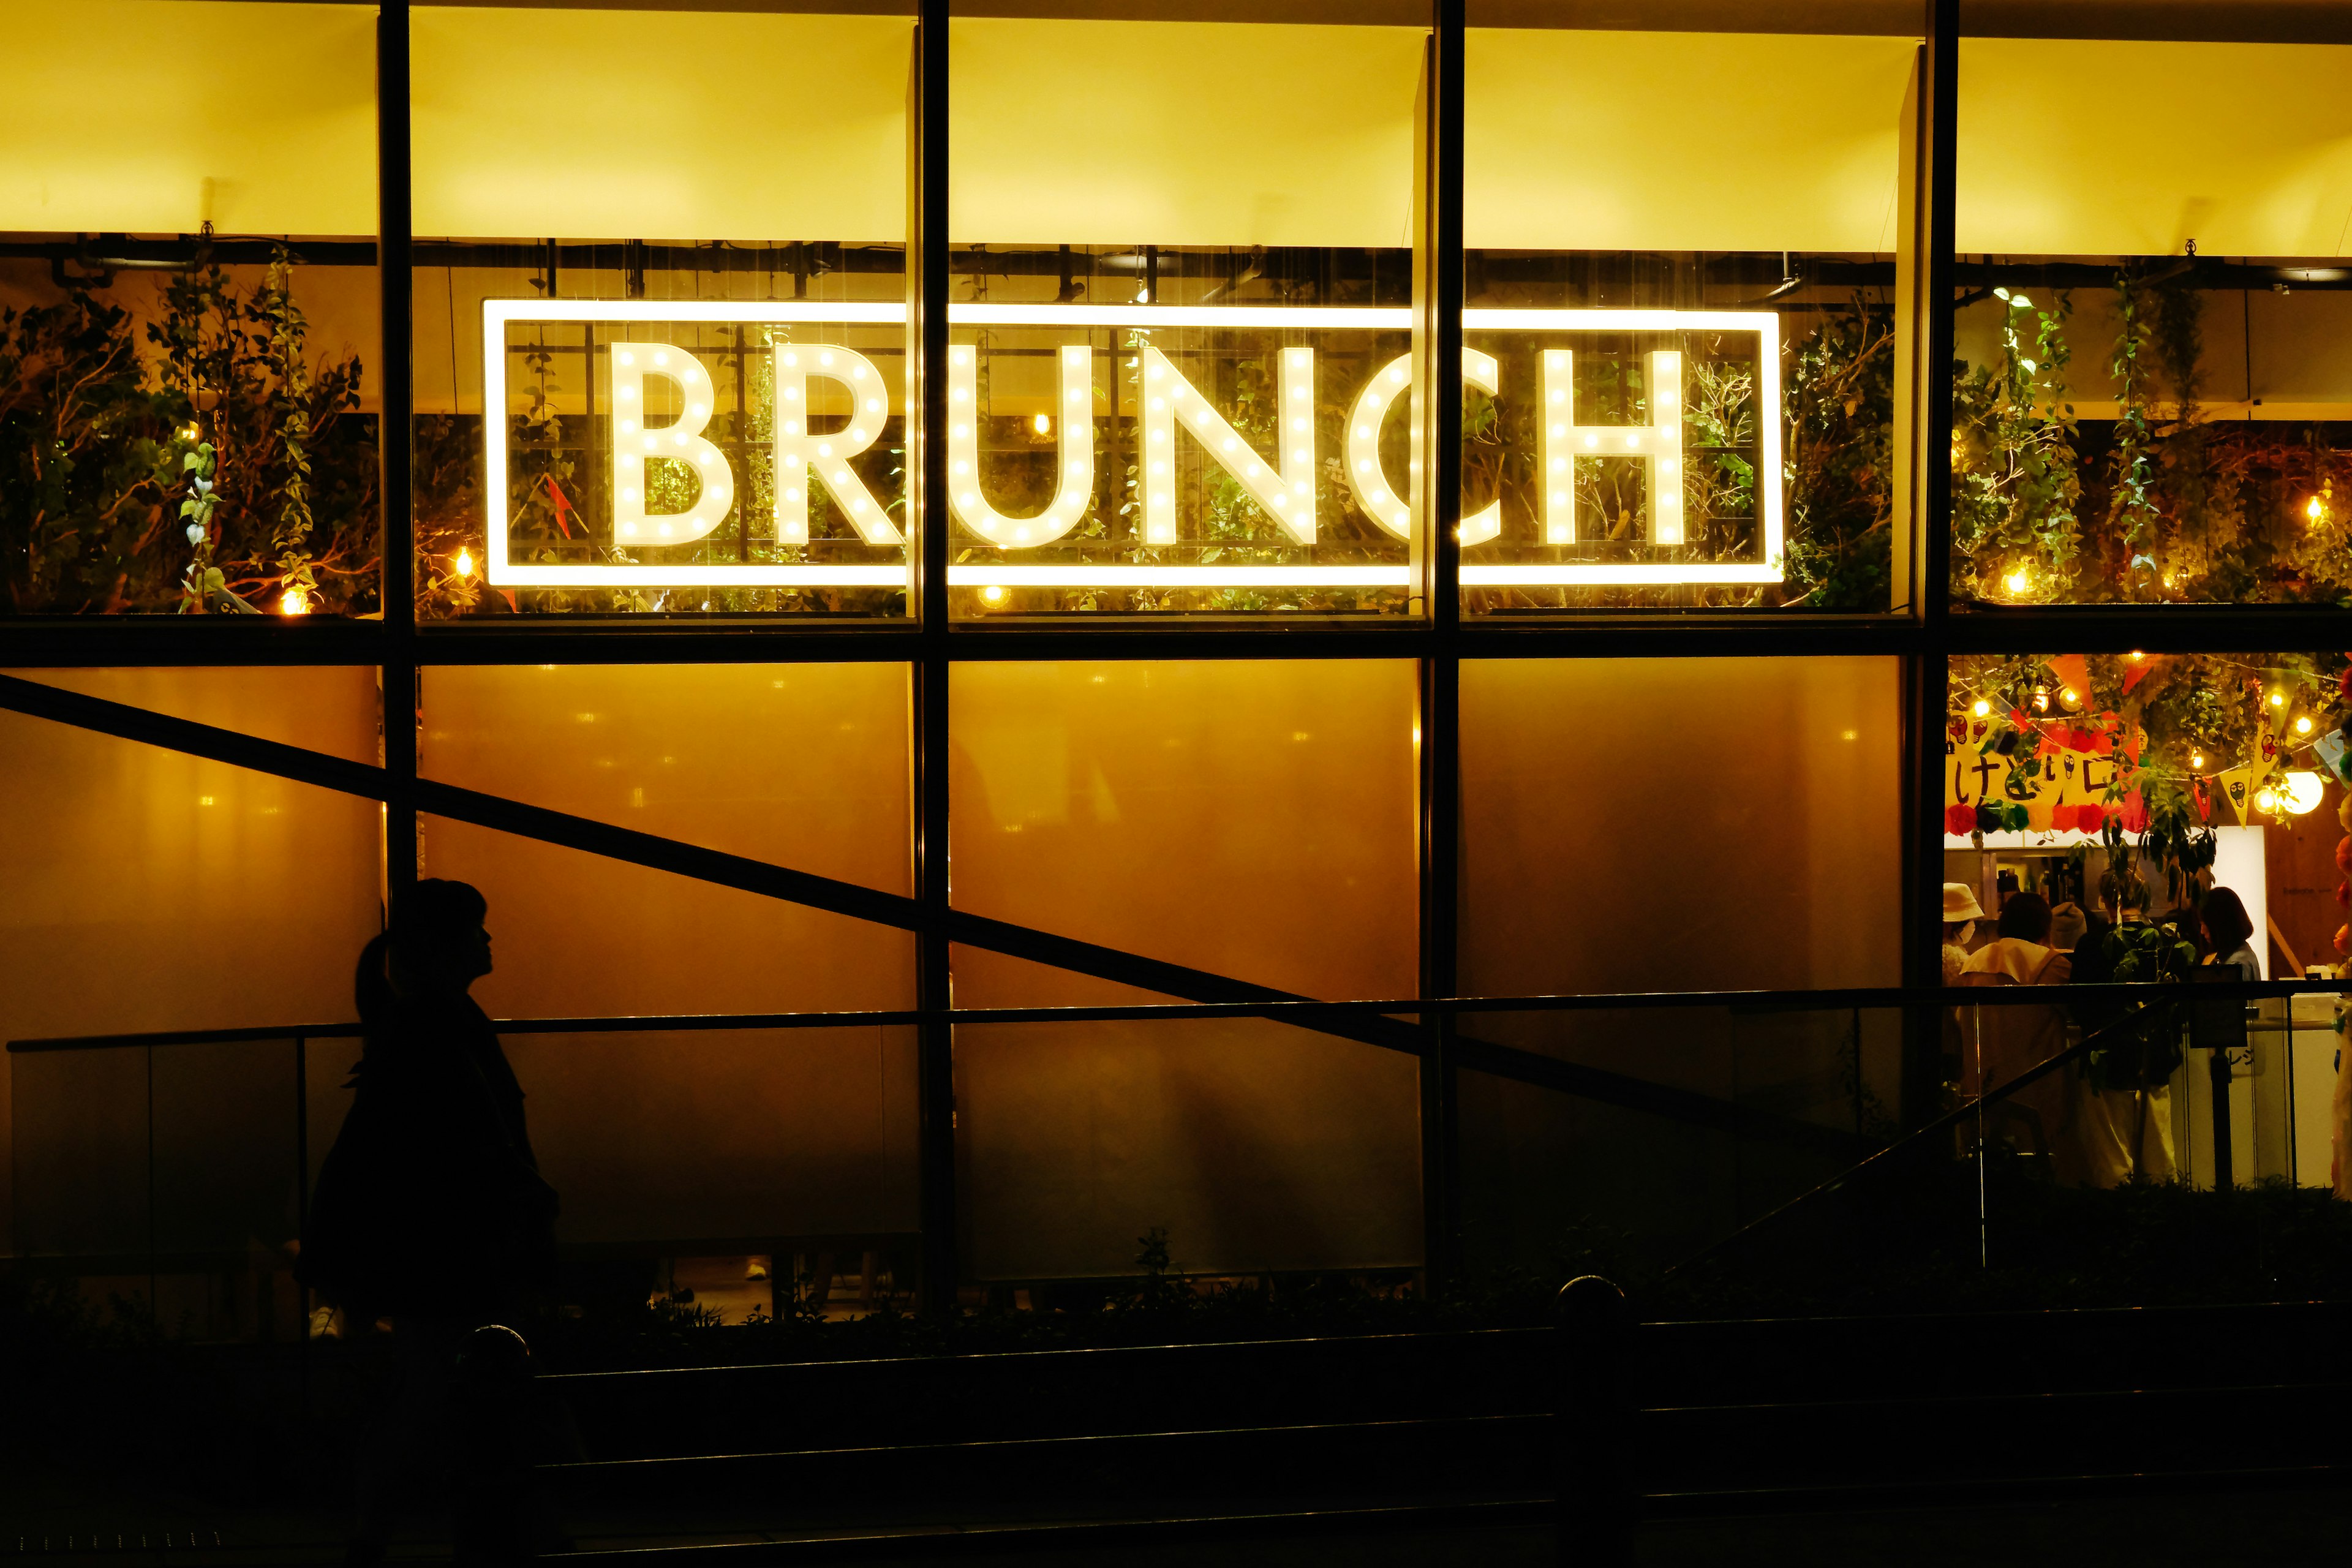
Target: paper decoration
{"type": "Point", "coordinates": [2238, 789]}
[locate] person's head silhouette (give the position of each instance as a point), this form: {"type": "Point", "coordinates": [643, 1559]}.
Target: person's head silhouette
{"type": "Point", "coordinates": [435, 947]}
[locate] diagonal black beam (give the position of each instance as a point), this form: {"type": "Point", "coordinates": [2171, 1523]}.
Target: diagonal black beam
{"type": "Point", "coordinates": [895, 910]}
{"type": "Point", "coordinates": [830, 894]}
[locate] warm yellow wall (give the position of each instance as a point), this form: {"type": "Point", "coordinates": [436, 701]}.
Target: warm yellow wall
{"type": "Point", "coordinates": [143, 116]}
{"type": "Point", "coordinates": [725, 1136]}
{"type": "Point", "coordinates": [1612, 141]}
{"type": "Point", "coordinates": [1253, 819]}
{"type": "Point", "coordinates": [1181, 132]}
{"type": "Point", "coordinates": [593, 124]}
{"type": "Point", "coordinates": [140, 889]}
{"type": "Point", "coordinates": [2083, 148]}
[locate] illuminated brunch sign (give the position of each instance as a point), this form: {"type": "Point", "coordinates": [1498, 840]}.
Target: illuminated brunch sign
{"type": "Point", "coordinates": [657, 398]}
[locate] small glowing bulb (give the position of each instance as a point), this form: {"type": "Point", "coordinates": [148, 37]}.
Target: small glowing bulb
{"type": "Point", "coordinates": [2196, 759]}
{"type": "Point", "coordinates": [1981, 708]}
{"type": "Point", "coordinates": [2278, 699]}
{"type": "Point", "coordinates": [294, 602]}
{"type": "Point", "coordinates": [2314, 509]}
{"type": "Point", "coordinates": [462, 563]}
{"type": "Point", "coordinates": [2302, 724]}
{"type": "Point", "coordinates": [632, 359]}
{"type": "Point", "coordinates": [2070, 697]}
{"type": "Point", "coordinates": [2266, 801]}
{"type": "Point", "coordinates": [2135, 656]}
{"type": "Point", "coordinates": [994, 593]}
{"type": "Point", "coordinates": [2018, 581]}
{"type": "Point", "coordinates": [1043, 424]}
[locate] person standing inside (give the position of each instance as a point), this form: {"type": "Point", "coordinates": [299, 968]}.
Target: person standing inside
{"type": "Point", "coordinates": [1961, 913]}
{"type": "Point", "coordinates": [430, 1219]}
{"type": "Point", "coordinates": [2230, 933]}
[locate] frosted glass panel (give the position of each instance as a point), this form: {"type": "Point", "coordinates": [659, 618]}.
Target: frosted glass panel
{"type": "Point", "coordinates": [1253, 819]}
{"type": "Point", "coordinates": [739, 1137]}
{"type": "Point", "coordinates": [1598, 858]}
{"type": "Point", "coordinates": [148, 889]}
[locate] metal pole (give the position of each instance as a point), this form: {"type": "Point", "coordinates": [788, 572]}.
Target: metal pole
{"type": "Point", "coordinates": [1595, 1491]}
{"type": "Point", "coordinates": [926, 403]}
{"type": "Point", "coordinates": [395, 443]}
{"type": "Point", "coordinates": [1437, 343]}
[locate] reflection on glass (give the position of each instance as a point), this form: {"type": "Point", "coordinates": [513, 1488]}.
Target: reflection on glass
{"type": "Point", "coordinates": [2150, 382]}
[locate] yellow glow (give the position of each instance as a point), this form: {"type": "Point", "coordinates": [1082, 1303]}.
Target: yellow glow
{"type": "Point", "coordinates": [2266, 800]}
{"type": "Point", "coordinates": [462, 564]}
{"type": "Point", "coordinates": [2136, 656]}
{"type": "Point", "coordinates": [294, 602]}
{"type": "Point", "coordinates": [2278, 699]}
{"type": "Point", "coordinates": [2302, 724]}
{"type": "Point", "coordinates": [994, 593]}
{"type": "Point", "coordinates": [2305, 790]}
{"type": "Point", "coordinates": [1043, 424]}
{"type": "Point", "coordinates": [2018, 581]}
{"type": "Point", "coordinates": [2070, 697]}
{"type": "Point", "coordinates": [2314, 509]}
{"type": "Point", "coordinates": [2196, 759]}
{"type": "Point", "coordinates": [1982, 708]}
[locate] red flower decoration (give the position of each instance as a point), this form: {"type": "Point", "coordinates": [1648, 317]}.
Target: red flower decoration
{"type": "Point", "coordinates": [1959, 819]}
{"type": "Point", "coordinates": [2343, 855]}
{"type": "Point", "coordinates": [2134, 813]}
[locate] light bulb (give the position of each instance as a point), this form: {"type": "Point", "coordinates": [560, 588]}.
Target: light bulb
{"type": "Point", "coordinates": [2070, 697]}
{"type": "Point", "coordinates": [2278, 699]}
{"type": "Point", "coordinates": [2018, 581]}
{"type": "Point", "coordinates": [994, 593]}
{"type": "Point", "coordinates": [2313, 510]}
{"type": "Point", "coordinates": [2302, 724]}
{"type": "Point", "coordinates": [2305, 790]}
{"type": "Point", "coordinates": [2196, 759]}
{"type": "Point", "coordinates": [462, 564]}
{"type": "Point", "coordinates": [1043, 424]}
{"type": "Point", "coordinates": [294, 602]}
{"type": "Point", "coordinates": [2267, 800]}
{"type": "Point", "coordinates": [1981, 708]}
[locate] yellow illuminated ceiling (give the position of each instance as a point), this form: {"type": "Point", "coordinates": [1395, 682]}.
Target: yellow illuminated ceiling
{"type": "Point", "coordinates": [158, 116]}
{"type": "Point", "coordinates": [137, 116]}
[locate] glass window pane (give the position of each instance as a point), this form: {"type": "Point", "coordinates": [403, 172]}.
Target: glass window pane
{"type": "Point", "coordinates": [1252, 819]}
{"type": "Point", "coordinates": [1593, 862]}
{"type": "Point", "coordinates": [693, 342]}
{"type": "Point", "coordinates": [2150, 400]}
{"type": "Point", "coordinates": [2104, 805]}
{"type": "Point", "coordinates": [189, 322]}
{"type": "Point", "coordinates": [1679, 319]}
{"type": "Point", "coordinates": [149, 889]}
{"type": "Point", "coordinates": [705, 1141]}
{"type": "Point", "coordinates": [1180, 285]}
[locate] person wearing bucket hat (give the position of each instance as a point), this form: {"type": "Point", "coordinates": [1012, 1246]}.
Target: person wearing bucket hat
{"type": "Point", "coordinates": [1960, 916]}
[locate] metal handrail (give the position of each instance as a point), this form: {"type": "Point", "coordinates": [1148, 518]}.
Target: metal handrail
{"type": "Point", "coordinates": [1833, 999]}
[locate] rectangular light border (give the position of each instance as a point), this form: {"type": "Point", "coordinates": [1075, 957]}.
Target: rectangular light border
{"type": "Point", "coordinates": [502, 572]}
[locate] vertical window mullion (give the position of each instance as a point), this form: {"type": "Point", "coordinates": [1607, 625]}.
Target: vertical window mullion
{"type": "Point", "coordinates": [1437, 273]}
{"type": "Point", "coordinates": [395, 443]}
{"type": "Point", "coordinates": [925, 397]}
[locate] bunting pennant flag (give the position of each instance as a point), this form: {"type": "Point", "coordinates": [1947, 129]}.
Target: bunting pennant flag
{"type": "Point", "coordinates": [2237, 786]}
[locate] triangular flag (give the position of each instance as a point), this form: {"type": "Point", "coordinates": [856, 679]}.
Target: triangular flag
{"type": "Point", "coordinates": [2238, 788]}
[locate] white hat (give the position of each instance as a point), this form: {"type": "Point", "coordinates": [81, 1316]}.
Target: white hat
{"type": "Point", "coordinates": [1960, 904]}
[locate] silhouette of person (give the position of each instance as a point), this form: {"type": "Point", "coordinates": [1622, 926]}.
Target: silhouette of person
{"type": "Point", "coordinates": [430, 1214]}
